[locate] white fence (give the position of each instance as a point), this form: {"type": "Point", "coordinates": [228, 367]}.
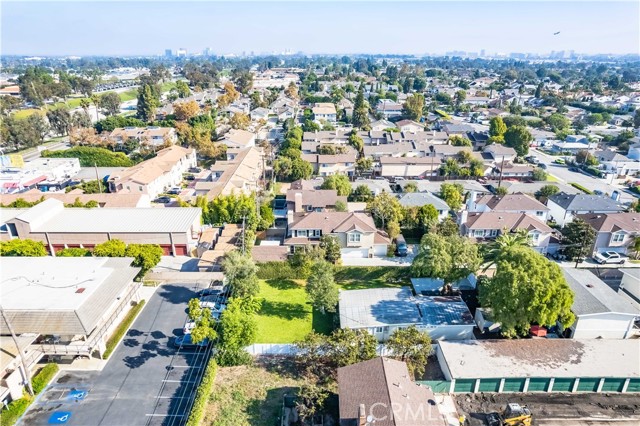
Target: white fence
{"type": "Point", "coordinates": [288, 349]}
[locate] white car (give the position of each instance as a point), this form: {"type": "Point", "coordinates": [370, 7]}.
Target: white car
{"type": "Point", "coordinates": [609, 257]}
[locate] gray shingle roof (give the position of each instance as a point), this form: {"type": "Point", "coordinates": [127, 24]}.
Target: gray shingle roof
{"type": "Point", "coordinates": [593, 296]}
{"type": "Point", "coordinates": [586, 202]}
{"type": "Point", "coordinates": [418, 199]}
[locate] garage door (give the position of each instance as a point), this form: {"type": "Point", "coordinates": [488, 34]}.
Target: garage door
{"type": "Point", "coordinates": [563, 385]}
{"type": "Point", "coordinates": [588, 384]}
{"type": "Point", "coordinates": [166, 249]}
{"type": "Point", "coordinates": [489, 385]}
{"type": "Point", "coordinates": [613, 385]}
{"type": "Point", "coordinates": [538, 384]}
{"type": "Point", "coordinates": [181, 250]}
{"type": "Point", "coordinates": [380, 250]}
{"type": "Point", "coordinates": [513, 385]}
{"type": "Point", "coordinates": [634, 385]}
{"type": "Point", "coordinates": [355, 252]}
{"type": "Point", "coordinates": [465, 385]}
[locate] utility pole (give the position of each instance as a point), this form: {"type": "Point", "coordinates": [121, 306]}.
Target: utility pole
{"type": "Point", "coordinates": [95, 166]}
{"type": "Point", "coordinates": [501, 169]}
{"type": "Point", "coordinates": [25, 368]}
{"type": "Point", "coordinates": [584, 239]}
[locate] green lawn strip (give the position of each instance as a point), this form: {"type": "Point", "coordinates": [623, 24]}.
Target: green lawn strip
{"type": "Point", "coordinates": [117, 335]}
{"type": "Point", "coordinates": [552, 178]}
{"type": "Point", "coordinates": [581, 188]}
{"type": "Point", "coordinates": [15, 409]}
{"type": "Point", "coordinates": [361, 277]}
{"type": "Point", "coordinates": [202, 394]}
{"type": "Point", "coordinates": [24, 113]}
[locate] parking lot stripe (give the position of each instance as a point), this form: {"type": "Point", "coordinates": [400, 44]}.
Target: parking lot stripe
{"type": "Point", "coordinates": [178, 381]}
{"type": "Point", "coordinates": [165, 415]}
{"type": "Point", "coordinates": [185, 366]}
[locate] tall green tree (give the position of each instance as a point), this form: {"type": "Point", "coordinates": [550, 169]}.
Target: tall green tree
{"type": "Point", "coordinates": [577, 239]}
{"type": "Point", "coordinates": [452, 194]}
{"type": "Point", "coordinates": [321, 287]}
{"type": "Point", "coordinates": [60, 120]}
{"type": "Point", "coordinates": [331, 246]}
{"type": "Point", "coordinates": [527, 289]}
{"type": "Point", "coordinates": [518, 138]}
{"type": "Point", "coordinates": [497, 126]}
{"type": "Point", "coordinates": [450, 258]}
{"type": "Point", "coordinates": [148, 102]}
{"type": "Point", "coordinates": [240, 271]}
{"type": "Point", "coordinates": [360, 117]}
{"type": "Point", "coordinates": [499, 247]}
{"type": "Point", "coordinates": [338, 182]}
{"type": "Point", "coordinates": [145, 256]}
{"type": "Point", "coordinates": [385, 207]}
{"type": "Point", "coordinates": [110, 103]}
{"type": "Point", "coordinates": [411, 346]}
{"type": "Point", "coordinates": [413, 106]}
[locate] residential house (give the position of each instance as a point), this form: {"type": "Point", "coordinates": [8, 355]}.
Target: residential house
{"type": "Point", "coordinates": [381, 311]}
{"type": "Point", "coordinates": [614, 163]}
{"type": "Point", "coordinates": [324, 111]}
{"type": "Point", "coordinates": [347, 106]}
{"type": "Point", "coordinates": [356, 232]}
{"type": "Point", "coordinates": [614, 231]}
{"type": "Point", "coordinates": [155, 175]}
{"type": "Point", "coordinates": [409, 126]}
{"type": "Point", "coordinates": [151, 135]}
{"type": "Point", "coordinates": [529, 188]}
{"type": "Point", "coordinates": [399, 149]}
{"type": "Point", "coordinates": [601, 312]}
{"type": "Point", "coordinates": [313, 200]}
{"type": "Point", "coordinates": [419, 199]}
{"type": "Point", "coordinates": [388, 108]}
{"type": "Point", "coordinates": [564, 207]}
{"type": "Point", "coordinates": [573, 144]}
{"type": "Point", "coordinates": [459, 129]}
{"type": "Point", "coordinates": [499, 153]}
{"type": "Point", "coordinates": [380, 390]}
{"type": "Point", "coordinates": [260, 113]}
{"type": "Point", "coordinates": [332, 164]}
{"type": "Point", "coordinates": [241, 173]}
{"type": "Point", "coordinates": [376, 186]}
{"type": "Point", "coordinates": [409, 167]}
{"type": "Point", "coordinates": [491, 224]}
{"type": "Point", "coordinates": [237, 138]}
{"type": "Point", "coordinates": [327, 136]}
{"type": "Point", "coordinates": [176, 230]}
{"type": "Point", "coordinates": [103, 200]}
{"type": "Point", "coordinates": [510, 203]}
{"type": "Point", "coordinates": [634, 149]}
{"type": "Point", "coordinates": [478, 139]}
{"type": "Point", "coordinates": [380, 125]}
{"type": "Point", "coordinates": [511, 171]}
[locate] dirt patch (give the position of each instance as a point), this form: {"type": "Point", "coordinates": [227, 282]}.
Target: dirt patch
{"type": "Point", "coordinates": [554, 353]}
{"type": "Point", "coordinates": [551, 405]}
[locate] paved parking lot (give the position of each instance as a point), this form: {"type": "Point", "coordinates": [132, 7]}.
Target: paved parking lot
{"type": "Point", "coordinates": [145, 382]}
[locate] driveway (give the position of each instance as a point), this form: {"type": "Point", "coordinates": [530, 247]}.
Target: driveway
{"type": "Point", "coordinates": [383, 261]}
{"type": "Point", "coordinates": [146, 380]}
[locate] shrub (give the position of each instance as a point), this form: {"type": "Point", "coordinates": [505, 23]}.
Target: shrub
{"type": "Point", "coordinates": [276, 271]}
{"type": "Point", "coordinates": [14, 410]}
{"type": "Point", "coordinates": [92, 156]}
{"type": "Point", "coordinates": [73, 252]}
{"type": "Point", "coordinates": [18, 247]}
{"type": "Point", "coordinates": [44, 376]}
{"type": "Point", "coordinates": [122, 328]}
{"type": "Point", "coordinates": [202, 394]}
{"type": "Point", "coordinates": [581, 188]}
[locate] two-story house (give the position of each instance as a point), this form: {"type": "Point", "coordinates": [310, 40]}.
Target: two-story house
{"type": "Point", "coordinates": [237, 138]}
{"type": "Point", "coordinates": [388, 108]}
{"type": "Point", "coordinates": [313, 200]}
{"type": "Point", "coordinates": [491, 224]}
{"type": "Point", "coordinates": [614, 163]}
{"type": "Point", "coordinates": [332, 164]}
{"type": "Point", "coordinates": [355, 231]}
{"type": "Point", "coordinates": [409, 126]}
{"type": "Point", "coordinates": [510, 203]}
{"type": "Point", "coordinates": [563, 207]}
{"type": "Point", "coordinates": [614, 232]}
{"type": "Point", "coordinates": [324, 111]}
{"type": "Point", "coordinates": [151, 135]}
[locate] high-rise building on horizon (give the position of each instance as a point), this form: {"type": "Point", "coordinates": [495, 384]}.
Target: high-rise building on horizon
{"type": "Point", "coordinates": [207, 51]}
{"type": "Point", "coordinates": [168, 53]}
{"type": "Point", "coordinates": [181, 53]}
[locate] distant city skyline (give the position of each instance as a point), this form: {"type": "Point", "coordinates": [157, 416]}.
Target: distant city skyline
{"type": "Point", "coordinates": [146, 28]}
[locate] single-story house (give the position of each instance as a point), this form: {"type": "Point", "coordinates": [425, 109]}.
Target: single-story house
{"type": "Point", "coordinates": [419, 199]}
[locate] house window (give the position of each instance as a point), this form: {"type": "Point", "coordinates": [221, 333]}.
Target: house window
{"type": "Point", "coordinates": [617, 238]}
{"type": "Point", "coordinates": [354, 238]}
{"type": "Point", "coordinates": [478, 233]}
{"type": "Point", "coordinates": [534, 236]}
{"type": "Point", "coordinates": [316, 232]}
{"type": "Point", "coordinates": [379, 329]}
{"type": "Point", "coordinates": [539, 214]}
{"type": "Point", "coordinates": [494, 232]}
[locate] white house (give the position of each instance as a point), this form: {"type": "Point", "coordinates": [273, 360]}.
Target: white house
{"type": "Point", "coordinates": [237, 138]}
{"type": "Point", "coordinates": [601, 313]}
{"type": "Point", "coordinates": [563, 207]}
{"type": "Point", "coordinates": [614, 232]}
{"type": "Point", "coordinates": [324, 111]}
{"type": "Point", "coordinates": [618, 164]}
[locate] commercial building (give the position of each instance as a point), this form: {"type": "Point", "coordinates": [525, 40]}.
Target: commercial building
{"type": "Point", "coordinates": [540, 365]}
{"type": "Point", "coordinates": [176, 230]}
{"type": "Point", "coordinates": [47, 174]}
{"type": "Point", "coordinates": [60, 306]}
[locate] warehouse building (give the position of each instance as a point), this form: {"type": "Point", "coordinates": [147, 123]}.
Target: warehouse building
{"type": "Point", "coordinates": [176, 230]}
{"type": "Point", "coordinates": [540, 365]}
{"type": "Point", "coordinates": [59, 306]}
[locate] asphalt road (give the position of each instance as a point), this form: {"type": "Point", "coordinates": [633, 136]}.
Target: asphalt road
{"type": "Point", "coordinates": [564, 175]}
{"type": "Point", "coordinates": [146, 381]}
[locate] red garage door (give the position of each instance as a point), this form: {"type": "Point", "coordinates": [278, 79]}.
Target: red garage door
{"type": "Point", "coordinates": [166, 249]}
{"type": "Point", "coordinates": [181, 250]}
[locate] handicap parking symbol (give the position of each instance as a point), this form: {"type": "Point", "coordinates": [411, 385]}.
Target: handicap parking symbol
{"type": "Point", "coordinates": [59, 417]}
{"type": "Point", "coordinates": [77, 394]}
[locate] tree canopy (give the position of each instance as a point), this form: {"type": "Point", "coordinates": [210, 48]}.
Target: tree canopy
{"type": "Point", "coordinates": [450, 258]}
{"type": "Point", "coordinates": [321, 287]}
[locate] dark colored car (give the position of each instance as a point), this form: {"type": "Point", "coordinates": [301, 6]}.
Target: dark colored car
{"type": "Point", "coordinates": [185, 342]}
{"type": "Point", "coordinates": [162, 200]}
{"type": "Point", "coordinates": [542, 165]}
{"type": "Point", "coordinates": [189, 177]}
{"type": "Point", "coordinates": [195, 169]}
{"type": "Point", "coordinates": [401, 246]}
{"type": "Point", "coordinates": [574, 169]}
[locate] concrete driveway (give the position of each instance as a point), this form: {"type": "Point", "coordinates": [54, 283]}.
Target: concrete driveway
{"type": "Point", "coordinates": [383, 261]}
{"type": "Point", "coordinates": [146, 380]}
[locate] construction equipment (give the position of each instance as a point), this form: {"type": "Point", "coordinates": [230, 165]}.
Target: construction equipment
{"type": "Point", "coordinates": [513, 415]}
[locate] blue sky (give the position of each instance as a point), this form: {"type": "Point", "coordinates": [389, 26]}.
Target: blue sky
{"type": "Point", "coordinates": [148, 27]}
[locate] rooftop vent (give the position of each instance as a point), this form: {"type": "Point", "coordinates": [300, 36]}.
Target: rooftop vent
{"type": "Point", "coordinates": [80, 290]}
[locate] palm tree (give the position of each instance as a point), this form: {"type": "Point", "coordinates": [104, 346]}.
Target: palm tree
{"type": "Point", "coordinates": [96, 102]}
{"type": "Point", "coordinates": [85, 104]}
{"type": "Point", "coordinates": [635, 246]}
{"type": "Point", "coordinates": [503, 244]}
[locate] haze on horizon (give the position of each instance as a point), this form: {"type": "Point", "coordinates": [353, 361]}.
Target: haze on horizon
{"type": "Point", "coordinates": [124, 28]}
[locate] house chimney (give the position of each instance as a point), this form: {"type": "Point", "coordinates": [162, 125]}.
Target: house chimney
{"type": "Point", "coordinates": [362, 415]}
{"type": "Point", "coordinates": [298, 202]}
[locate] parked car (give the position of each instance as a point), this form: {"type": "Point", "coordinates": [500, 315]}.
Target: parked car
{"type": "Point", "coordinates": [542, 165]}
{"type": "Point", "coordinates": [597, 192]}
{"type": "Point", "coordinates": [401, 246]}
{"type": "Point", "coordinates": [162, 200]}
{"type": "Point", "coordinates": [174, 191]}
{"type": "Point", "coordinates": [559, 161]}
{"type": "Point", "coordinates": [195, 170]}
{"type": "Point", "coordinates": [213, 303]}
{"type": "Point", "coordinates": [574, 169]}
{"type": "Point", "coordinates": [189, 177]}
{"type": "Point", "coordinates": [185, 342]}
{"type": "Point", "coordinates": [215, 290]}
{"type": "Point", "coordinates": [190, 325]}
{"type": "Point", "coordinates": [609, 257]}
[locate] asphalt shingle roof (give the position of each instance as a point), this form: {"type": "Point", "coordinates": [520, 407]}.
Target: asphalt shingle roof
{"type": "Point", "coordinates": [586, 202]}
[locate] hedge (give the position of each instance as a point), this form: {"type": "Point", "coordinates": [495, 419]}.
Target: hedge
{"type": "Point", "coordinates": [202, 394]}
{"type": "Point", "coordinates": [122, 329]}
{"type": "Point", "coordinates": [92, 156]}
{"type": "Point", "coordinates": [277, 271]}
{"type": "Point", "coordinates": [18, 407]}
{"type": "Point", "coordinates": [581, 188]}
{"type": "Point", "coordinates": [44, 376]}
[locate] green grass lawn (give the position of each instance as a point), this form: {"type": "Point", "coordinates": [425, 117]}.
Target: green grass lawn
{"type": "Point", "coordinates": [24, 113]}
{"type": "Point", "coordinates": [360, 277]}
{"type": "Point", "coordinates": [286, 314]}
{"type": "Point", "coordinates": [552, 178]}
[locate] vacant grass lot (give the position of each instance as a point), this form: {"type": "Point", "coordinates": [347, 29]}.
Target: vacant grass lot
{"type": "Point", "coordinates": [251, 395]}
{"type": "Point", "coordinates": [360, 277]}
